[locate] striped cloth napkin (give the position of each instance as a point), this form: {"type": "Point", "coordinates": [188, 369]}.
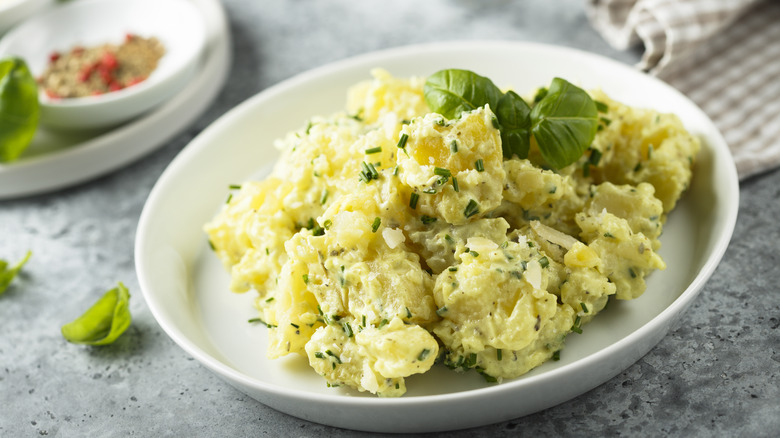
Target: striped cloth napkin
{"type": "Point", "coordinates": [723, 54]}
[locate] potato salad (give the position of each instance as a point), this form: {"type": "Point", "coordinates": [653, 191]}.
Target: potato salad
{"type": "Point", "coordinates": [406, 232]}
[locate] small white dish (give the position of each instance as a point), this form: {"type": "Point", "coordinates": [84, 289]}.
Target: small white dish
{"type": "Point", "coordinates": [176, 23]}
{"type": "Point", "coordinates": [186, 287]}
{"type": "Point", "coordinates": [58, 159]}
{"type": "Point", "coordinates": [14, 11]}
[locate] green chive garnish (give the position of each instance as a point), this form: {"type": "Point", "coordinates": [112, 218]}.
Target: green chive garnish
{"type": "Point", "coordinates": [375, 150]}
{"type": "Point", "coordinates": [480, 165]}
{"type": "Point", "coordinates": [375, 225]}
{"type": "Point", "coordinates": [234, 186]}
{"type": "Point", "coordinates": [402, 141]}
{"type": "Point", "coordinates": [454, 146]}
{"type": "Point", "coordinates": [441, 172]}
{"type": "Point", "coordinates": [427, 219]}
{"type": "Point", "coordinates": [413, 200]}
{"type": "Point", "coordinates": [455, 184]}
{"type": "Point", "coordinates": [472, 208]}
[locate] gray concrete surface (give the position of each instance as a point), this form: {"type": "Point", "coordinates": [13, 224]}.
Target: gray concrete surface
{"type": "Point", "coordinates": [715, 374]}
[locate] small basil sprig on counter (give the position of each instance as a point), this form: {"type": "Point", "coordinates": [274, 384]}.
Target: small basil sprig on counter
{"type": "Point", "coordinates": [7, 275]}
{"type": "Point", "coordinates": [19, 108]}
{"type": "Point", "coordinates": [104, 322]}
{"type": "Point", "coordinates": [563, 122]}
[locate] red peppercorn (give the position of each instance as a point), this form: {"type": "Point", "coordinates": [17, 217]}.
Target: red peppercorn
{"type": "Point", "coordinates": [129, 36]}
{"type": "Point", "coordinates": [114, 86]}
{"type": "Point", "coordinates": [109, 61]}
{"type": "Point", "coordinates": [54, 56]}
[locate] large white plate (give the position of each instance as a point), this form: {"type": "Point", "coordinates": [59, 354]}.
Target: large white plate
{"type": "Point", "coordinates": [56, 160]}
{"type": "Point", "coordinates": [186, 287]}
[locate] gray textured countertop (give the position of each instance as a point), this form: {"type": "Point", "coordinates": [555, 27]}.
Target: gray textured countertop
{"type": "Point", "coordinates": [716, 373]}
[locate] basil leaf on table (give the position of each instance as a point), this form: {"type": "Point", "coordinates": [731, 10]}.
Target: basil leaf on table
{"type": "Point", "coordinates": [564, 123]}
{"type": "Point", "coordinates": [451, 92]}
{"type": "Point", "coordinates": [514, 117]}
{"type": "Point", "coordinates": [104, 322]}
{"type": "Point", "coordinates": [19, 109]}
{"type": "Point", "coordinates": [7, 275]}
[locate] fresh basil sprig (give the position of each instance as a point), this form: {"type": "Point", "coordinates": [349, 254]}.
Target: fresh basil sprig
{"type": "Point", "coordinates": [104, 322]}
{"type": "Point", "coordinates": [7, 275]}
{"type": "Point", "coordinates": [19, 109]}
{"type": "Point", "coordinates": [563, 122]}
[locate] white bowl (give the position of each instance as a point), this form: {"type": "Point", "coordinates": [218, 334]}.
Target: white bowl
{"type": "Point", "coordinates": [186, 288]}
{"type": "Point", "coordinates": [14, 11]}
{"type": "Point", "coordinates": [176, 23]}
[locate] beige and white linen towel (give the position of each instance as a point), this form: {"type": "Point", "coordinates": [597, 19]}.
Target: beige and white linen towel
{"type": "Point", "coordinates": [723, 54]}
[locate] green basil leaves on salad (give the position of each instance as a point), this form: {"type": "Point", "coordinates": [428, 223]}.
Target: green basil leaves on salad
{"type": "Point", "coordinates": [8, 274]}
{"type": "Point", "coordinates": [563, 122]}
{"type": "Point", "coordinates": [19, 109]}
{"type": "Point", "coordinates": [102, 323]}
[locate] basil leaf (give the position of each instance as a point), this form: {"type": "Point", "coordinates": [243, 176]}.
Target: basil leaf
{"type": "Point", "coordinates": [453, 91]}
{"type": "Point", "coordinates": [564, 123]}
{"type": "Point", "coordinates": [19, 108]}
{"type": "Point", "coordinates": [514, 116]}
{"type": "Point", "coordinates": [7, 275]}
{"type": "Point", "coordinates": [105, 321]}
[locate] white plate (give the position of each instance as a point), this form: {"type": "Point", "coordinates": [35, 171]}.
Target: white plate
{"type": "Point", "coordinates": [56, 160]}
{"type": "Point", "coordinates": [91, 23]}
{"type": "Point", "coordinates": [186, 287]}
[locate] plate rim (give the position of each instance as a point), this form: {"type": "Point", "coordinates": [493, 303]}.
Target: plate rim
{"type": "Point", "coordinates": [665, 317]}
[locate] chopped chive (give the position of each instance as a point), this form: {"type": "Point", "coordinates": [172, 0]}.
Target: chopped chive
{"type": "Point", "coordinates": [295, 325]}
{"type": "Point", "coordinates": [449, 239]}
{"type": "Point", "coordinates": [455, 184]}
{"type": "Point", "coordinates": [631, 272]}
{"type": "Point", "coordinates": [406, 121]}
{"type": "Point", "coordinates": [382, 323]}
{"type": "Point", "coordinates": [472, 208]}
{"type": "Point", "coordinates": [211, 245]}
{"type": "Point", "coordinates": [499, 354]}
{"type": "Point", "coordinates": [375, 225]}
{"type": "Point", "coordinates": [348, 329]}
{"type": "Point", "coordinates": [608, 234]}
{"type": "Point", "coordinates": [584, 307]}
{"type": "Point", "coordinates": [480, 165]}
{"type": "Point", "coordinates": [267, 251]}
{"type": "Point", "coordinates": [269, 300]}
{"type": "Point", "coordinates": [474, 253]}
{"type": "Point", "coordinates": [441, 172]}
{"type": "Point", "coordinates": [402, 141]}
{"type": "Point", "coordinates": [372, 169]}
{"type": "Point", "coordinates": [430, 191]}
{"type": "Point", "coordinates": [595, 157]}
{"type": "Point", "coordinates": [234, 186]}
{"type": "Point", "coordinates": [637, 167]}
{"type": "Point", "coordinates": [413, 200]}
{"type": "Point", "coordinates": [576, 327]}
{"type": "Point", "coordinates": [229, 198]}
{"type": "Point", "coordinates": [408, 313]}
{"type": "Point", "coordinates": [327, 223]}
{"type": "Point", "coordinates": [601, 106]}
{"type": "Point", "coordinates": [319, 355]}
{"type": "Point", "coordinates": [544, 262]}
{"type": "Point", "coordinates": [441, 310]}
{"type": "Point", "coordinates": [427, 219]}
{"type": "Point", "coordinates": [453, 269]}
{"type": "Point", "coordinates": [324, 197]}
{"type": "Point", "coordinates": [364, 320]}
{"type": "Point", "coordinates": [423, 354]}
{"type": "Point", "coordinates": [395, 171]}
{"type": "Point", "coordinates": [306, 278]}
{"type": "Point", "coordinates": [375, 150]}
{"type": "Point", "coordinates": [254, 320]}
{"type": "Point", "coordinates": [441, 122]}
{"type": "Point", "coordinates": [454, 146]}
{"type": "Point", "coordinates": [556, 356]}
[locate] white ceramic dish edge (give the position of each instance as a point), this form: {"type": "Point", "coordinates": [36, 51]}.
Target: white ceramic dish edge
{"type": "Point", "coordinates": [446, 411]}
